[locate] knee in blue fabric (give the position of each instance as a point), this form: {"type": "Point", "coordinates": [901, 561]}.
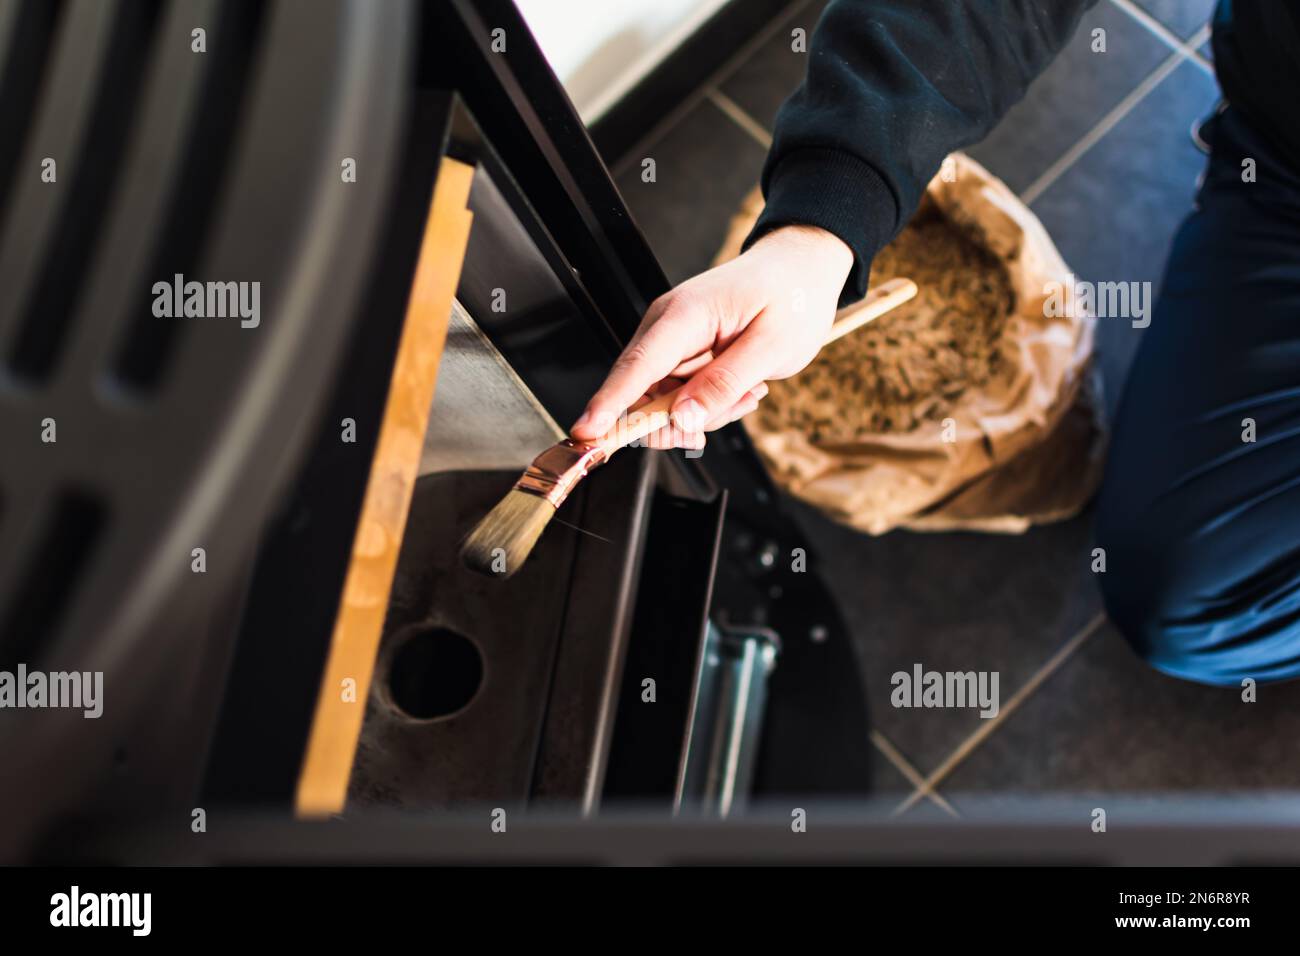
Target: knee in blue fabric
{"type": "Point", "coordinates": [1186, 613]}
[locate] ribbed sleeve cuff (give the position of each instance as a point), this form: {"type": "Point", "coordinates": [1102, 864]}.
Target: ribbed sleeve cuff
{"type": "Point", "coordinates": [837, 192]}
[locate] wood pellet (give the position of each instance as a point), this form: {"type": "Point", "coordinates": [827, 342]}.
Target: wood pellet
{"type": "Point", "coordinates": [912, 365]}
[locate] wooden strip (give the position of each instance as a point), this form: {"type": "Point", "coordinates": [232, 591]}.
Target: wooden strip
{"type": "Point", "coordinates": [341, 706]}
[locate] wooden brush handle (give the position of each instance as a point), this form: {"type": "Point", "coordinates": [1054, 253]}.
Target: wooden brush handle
{"type": "Point", "coordinates": [654, 415]}
{"type": "Point", "coordinates": [883, 298]}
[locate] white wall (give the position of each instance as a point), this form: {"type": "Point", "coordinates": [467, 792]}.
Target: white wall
{"type": "Point", "coordinates": [600, 48]}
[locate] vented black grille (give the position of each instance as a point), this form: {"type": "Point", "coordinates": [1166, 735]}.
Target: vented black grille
{"type": "Point", "coordinates": [148, 340]}
{"type": "Point", "coordinates": [65, 544]}
{"type": "Point", "coordinates": [48, 309]}
{"type": "Point", "coordinates": [30, 26]}
{"type": "Point", "coordinates": [127, 441]}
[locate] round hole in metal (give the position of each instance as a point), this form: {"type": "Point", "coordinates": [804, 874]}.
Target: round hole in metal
{"type": "Point", "coordinates": [435, 673]}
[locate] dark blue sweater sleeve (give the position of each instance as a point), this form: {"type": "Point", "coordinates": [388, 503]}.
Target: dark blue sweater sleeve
{"type": "Point", "coordinates": [892, 87]}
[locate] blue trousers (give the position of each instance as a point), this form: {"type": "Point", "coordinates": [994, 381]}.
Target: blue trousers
{"type": "Point", "coordinates": [1199, 512]}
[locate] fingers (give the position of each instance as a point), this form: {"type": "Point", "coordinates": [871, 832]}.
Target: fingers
{"type": "Point", "coordinates": [742, 408]}
{"type": "Point", "coordinates": [722, 384]}
{"type": "Point", "coordinates": [692, 365]}
{"type": "Point", "coordinates": [652, 355]}
{"type": "Point", "coordinates": [671, 437]}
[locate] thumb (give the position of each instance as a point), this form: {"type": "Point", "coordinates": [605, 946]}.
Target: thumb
{"type": "Point", "coordinates": [722, 383]}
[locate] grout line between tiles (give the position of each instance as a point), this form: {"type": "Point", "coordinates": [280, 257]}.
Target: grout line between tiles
{"type": "Point", "coordinates": [968, 746]}
{"type": "Point", "coordinates": [741, 56]}
{"type": "Point", "coordinates": [904, 766]}
{"type": "Point", "coordinates": [1186, 47]}
{"type": "Point", "coordinates": [1194, 44]}
{"type": "Point", "coordinates": [721, 75]}
{"type": "Point", "coordinates": [1104, 126]}
{"type": "Point", "coordinates": [741, 118]}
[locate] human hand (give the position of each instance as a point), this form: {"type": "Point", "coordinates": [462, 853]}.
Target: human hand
{"type": "Point", "coordinates": [724, 333]}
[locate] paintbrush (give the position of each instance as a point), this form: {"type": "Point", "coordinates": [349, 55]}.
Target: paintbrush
{"type": "Point", "coordinates": [502, 541]}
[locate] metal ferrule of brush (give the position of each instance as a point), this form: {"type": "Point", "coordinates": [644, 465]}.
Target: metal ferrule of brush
{"type": "Point", "coordinates": [555, 471]}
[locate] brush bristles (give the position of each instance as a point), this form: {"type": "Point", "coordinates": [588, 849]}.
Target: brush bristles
{"type": "Point", "coordinates": [502, 541]}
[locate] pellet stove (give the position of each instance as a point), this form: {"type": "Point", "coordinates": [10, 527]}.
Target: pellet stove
{"type": "Point", "coordinates": [670, 643]}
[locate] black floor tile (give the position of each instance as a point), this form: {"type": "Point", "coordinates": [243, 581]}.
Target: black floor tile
{"type": "Point", "coordinates": [761, 84]}
{"type": "Point", "coordinates": [1071, 96]}
{"type": "Point", "coordinates": [1107, 723]}
{"type": "Point", "coordinates": [1182, 17]}
{"type": "Point", "coordinates": [1114, 212]}
{"type": "Point", "coordinates": [704, 166]}
{"type": "Point", "coordinates": [886, 779]}
{"type": "Point", "coordinates": [952, 602]}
